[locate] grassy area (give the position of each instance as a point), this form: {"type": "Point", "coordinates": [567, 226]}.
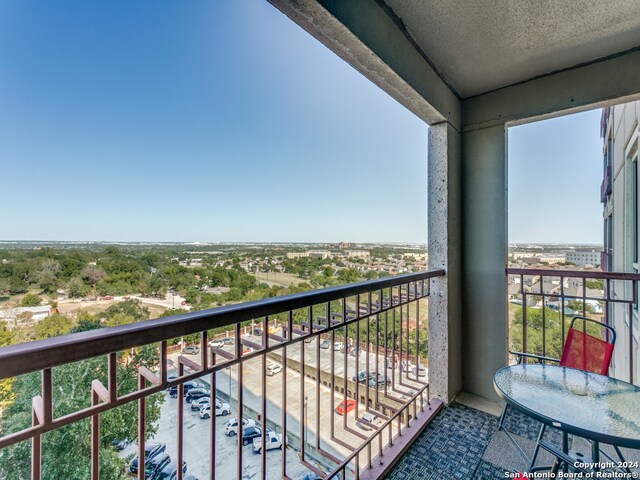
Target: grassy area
{"type": "Point", "coordinates": [277, 278]}
{"type": "Point", "coordinates": [99, 306]}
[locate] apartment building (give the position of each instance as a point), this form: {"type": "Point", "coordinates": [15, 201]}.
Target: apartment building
{"type": "Point", "coordinates": [582, 257]}
{"type": "Point", "coordinates": [619, 194]}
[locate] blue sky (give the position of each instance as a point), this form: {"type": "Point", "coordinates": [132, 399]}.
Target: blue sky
{"type": "Point", "coordinates": [215, 121]}
{"type": "Point", "coordinates": [554, 175]}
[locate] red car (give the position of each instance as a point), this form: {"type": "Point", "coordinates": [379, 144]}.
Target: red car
{"type": "Point", "coordinates": [340, 409]}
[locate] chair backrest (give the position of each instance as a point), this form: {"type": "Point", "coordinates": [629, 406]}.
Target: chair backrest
{"type": "Point", "coordinates": [586, 352]}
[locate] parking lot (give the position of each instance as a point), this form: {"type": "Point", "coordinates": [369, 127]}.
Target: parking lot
{"type": "Point", "coordinates": [299, 404]}
{"type": "Point", "coordinates": [196, 446]}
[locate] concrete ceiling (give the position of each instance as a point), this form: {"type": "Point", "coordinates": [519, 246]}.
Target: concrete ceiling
{"type": "Point", "coordinates": [480, 46]}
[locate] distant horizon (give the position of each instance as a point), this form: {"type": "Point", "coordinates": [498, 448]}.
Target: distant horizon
{"type": "Point", "coordinates": [177, 242]}
{"type": "Point", "coordinates": [257, 242]}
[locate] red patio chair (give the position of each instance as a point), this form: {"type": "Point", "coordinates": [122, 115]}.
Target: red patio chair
{"type": "Point", "coordinates": [582, 352]}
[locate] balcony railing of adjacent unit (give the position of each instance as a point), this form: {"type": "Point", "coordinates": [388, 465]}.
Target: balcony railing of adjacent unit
{"type": "Point", "coordinates": [553, 297]}
{"type": "Point", "coordinates": [280, 328]}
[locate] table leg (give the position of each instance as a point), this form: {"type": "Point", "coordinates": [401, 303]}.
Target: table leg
{"type": "Point", "coordinates": [565, 450]}
{"type": "Point", "coordinates": [595, 454]}
{"type": "Point", "coordinates": [537, 449]}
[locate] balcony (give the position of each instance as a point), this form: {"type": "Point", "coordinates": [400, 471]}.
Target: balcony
{"type": "Point", "coordinates": [318, 345]}
{"type": "Point", "coordinates": [373, 329]}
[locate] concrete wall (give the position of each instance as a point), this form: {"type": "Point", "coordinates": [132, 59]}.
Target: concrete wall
{"type": "Point", "coordinates": [444, 227]}
{"type": "Point", "coordinates": [484, 259]}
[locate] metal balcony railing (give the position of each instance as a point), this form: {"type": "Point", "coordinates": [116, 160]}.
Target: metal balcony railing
{"type": "Point", "coordinates": [280, 328]}
{"type": "Point", "coordinates": [553, 296]}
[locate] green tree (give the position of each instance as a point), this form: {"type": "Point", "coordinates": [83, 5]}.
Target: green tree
{"type": "Point", "coordinates": [6, 396]}
{"type": "Point", "coordinates": [76, 288]}
{"type": "Point", "coordinates": [132, 308]}
{"type": "Point", "coordinates": [31, 300]}
{"type": "Point", "coordinates": [66, 445]}
{"type": "Point", "coordinates": [595, 284]}
{"type": "Point", "coordinates": [118, 319]}
{"type": "Point", "coordinates": [46, 275]}
{"type": "Point", "coordinates": [348, 275]}
{"type": "Point", "coordinates": [53, 326]}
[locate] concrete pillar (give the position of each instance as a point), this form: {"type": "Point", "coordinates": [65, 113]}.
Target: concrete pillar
{"type": "Point", "coordinates": [484, 258]}
{"type": "Point", "coordinates": [444, 203]}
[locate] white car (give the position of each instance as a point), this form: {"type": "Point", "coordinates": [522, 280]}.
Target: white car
{"type": "Point", "coordinates": [231, 427]}
{"type": "Point", "coordinates": [272, 440]}
{"type": "Point", "coordinates": [407, 366]}
{"type": "Point", "coordinates": [368, 417]}
{"type": "Point", "coordinates": [273, 368]}
{"type": "Point", "coordinates": [198, 404]}
{"type": "Point", "coordinates": [422, 370]}
{"type": "Point", "coordinates": [337, 346]}
{"type": "Point", "coordinates": [221, 409]}
{"type": "Point", "coordinates": [216, 343]}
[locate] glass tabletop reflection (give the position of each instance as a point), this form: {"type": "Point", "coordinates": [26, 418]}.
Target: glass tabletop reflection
{"type": "Point", "coordinates": [587, 404]}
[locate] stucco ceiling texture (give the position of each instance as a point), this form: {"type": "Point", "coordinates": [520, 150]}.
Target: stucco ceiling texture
{"type": "Point", "coordinates": [482, 45]}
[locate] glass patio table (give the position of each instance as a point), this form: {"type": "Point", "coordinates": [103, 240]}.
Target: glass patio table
{"type": "Point", "coordinates": [598, 408]}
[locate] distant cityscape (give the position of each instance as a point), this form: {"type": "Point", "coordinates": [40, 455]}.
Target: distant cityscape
{"type": "Point", "coordinates": [540, 255]}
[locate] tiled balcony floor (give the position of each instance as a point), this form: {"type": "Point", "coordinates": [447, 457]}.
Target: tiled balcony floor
{"type": "Point", "coordinates": [464, 443]}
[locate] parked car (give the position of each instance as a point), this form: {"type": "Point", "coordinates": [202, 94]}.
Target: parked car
{"type": "Point", "coordinates": [344, 408]}
{"type": "Point", "coordinates": [188, 386]}
{"type": "Point", "coordinates": [422, 370]}
{"type": "Point", "coordinates": [326, 343]}
{"type": "Point", "coordinates": [257, 332]}
{"type": "Point", "coordinates": [273, 368]}
{"type": "Point", "coordinates": [221, 409]}
{"type": "Point", "coordinates": [150, 450]}
{"type": "Point", "coordinates": [191, 350]}
{"type": "Point", "coordinates": [201, 402]}
{"type": "Point", "coordinates": [196, 393]}
{"type": "Point", "coordinates": [369, 418]}
{"type": "Point", "coordinates": [272, 440]}
{"type": "Point", "coordinates": [231, 427]}
{"type": "Point", "coordinates": [155, 465]}
{"type": "Point", "coordinates": [380, 381]}
{"type": "Point", "coordinates": [337, 346]}
{"type": "Point", "coordinates": [249, 433]}
{"type": "Point", "coordinates": [229, 341]}
{"type": "Point", "coordinates": [311, 476]}
{"type": "Point", "coordinates": [407, 366]}
{"type": "Point", "coordinates": [216, 343]}
{"type": "Point", "coordinates": [362, 377]}
{"type": "Point", "coordinates": [170, 471]}
{"type": "Point", "coordinates": [119, 444]}
{"type": "Point", "coordinates": [355, 352]}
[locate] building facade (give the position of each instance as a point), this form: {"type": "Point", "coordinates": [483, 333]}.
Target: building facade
{"type": "Point", "coordinates": [619, 195]}
{"type": "Point", "coordinates": [583, 257]}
